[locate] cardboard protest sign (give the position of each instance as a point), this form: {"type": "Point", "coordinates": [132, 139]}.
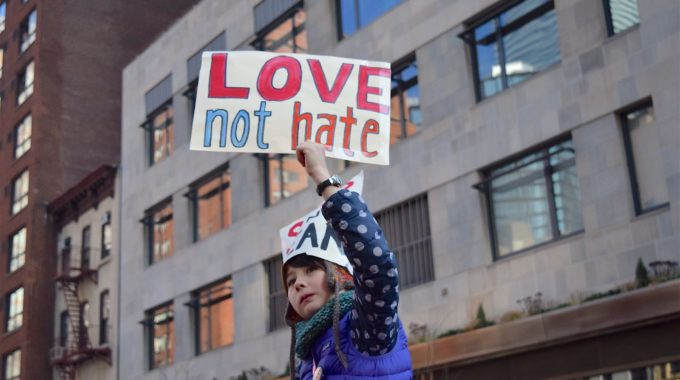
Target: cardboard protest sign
{"type": "Point", "coordinates": [262, 102]}
{"type": "Point", "coordinates": [312, 235]}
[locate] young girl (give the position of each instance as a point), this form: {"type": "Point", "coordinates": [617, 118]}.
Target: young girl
{"type": "Point", "coordinates": [345, 325]}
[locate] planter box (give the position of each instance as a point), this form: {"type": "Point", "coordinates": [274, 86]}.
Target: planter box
{"type": "Point", "coordinates": [623, 311]}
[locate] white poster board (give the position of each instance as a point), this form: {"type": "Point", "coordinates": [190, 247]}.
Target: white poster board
{"type": "Point", "coordinates": [261, 102]}
{"type": "Point", "coordinates": [311, 234]}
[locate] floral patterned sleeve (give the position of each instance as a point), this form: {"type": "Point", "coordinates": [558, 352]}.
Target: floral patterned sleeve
{"type": "Point", "coordinates": [374, 316]}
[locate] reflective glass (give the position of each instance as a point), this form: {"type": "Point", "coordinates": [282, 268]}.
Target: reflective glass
{"type": "Point", "coordinates": [648, 165]}
{"type": "Point", "coordinates": [531, 48]}
{"type": "Point", "coordinates": [624, 14]}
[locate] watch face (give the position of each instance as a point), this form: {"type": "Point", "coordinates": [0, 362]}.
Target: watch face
{"type": "Point", "coordinates": [336, 181]}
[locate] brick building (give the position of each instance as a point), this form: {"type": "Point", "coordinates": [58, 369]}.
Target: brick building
{"type": "Point", "coordinates": [534, 160]}
{"type": "Point", "coordinates": [60, 119]}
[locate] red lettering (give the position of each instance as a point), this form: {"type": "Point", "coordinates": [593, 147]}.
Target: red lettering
{"type": "Point", "coordinates": [328, 129]}
{"type": "Point", "coordinates": [364, 89]}
{"type": "Point", "coordinates": [217, 85]}
{"type": "Point", "coordinates": [348, 185]}
{"type": "Point", "coordinates": [349, 120]}
{"type": "Point", "coordinates": [297, 118]}
{"type": "Point", "coordinates": [371, 126]}
{"type": "Point", "coordinates": [295, 229]}
{"type": "Point", "coordinates": [326, 95]}
{"type": "Point", "coordinates": [265, 79]}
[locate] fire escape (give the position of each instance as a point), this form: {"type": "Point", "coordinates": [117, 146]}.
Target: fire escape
{"type": "Point", "coordinates": [77, 347]}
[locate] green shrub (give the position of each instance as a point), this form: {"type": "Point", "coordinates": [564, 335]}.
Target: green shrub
{"type": "Point", "coordinates": [641, 274]}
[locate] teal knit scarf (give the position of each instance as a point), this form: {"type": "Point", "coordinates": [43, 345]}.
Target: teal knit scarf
{"type": "Point", "coordinates": [307, 332]}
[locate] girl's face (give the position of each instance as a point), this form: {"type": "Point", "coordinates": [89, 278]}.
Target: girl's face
{"type": "Point", "coordinates": [307, 290]}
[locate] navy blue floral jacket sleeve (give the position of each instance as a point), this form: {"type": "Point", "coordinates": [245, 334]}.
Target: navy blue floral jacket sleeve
{"type": "Point", "coordinates": [373, 318]}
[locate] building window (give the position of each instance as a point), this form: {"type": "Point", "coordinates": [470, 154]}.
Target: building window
{"type": "Point", "coordinates": [84, 323]}
{"type": "Point", "coordinates": [160, 133]}
{"type": "Point", "coordinates": [107, 236]}
{"type": "Point", "coordinates": [27, 30]}
{"type": "Point", "coordinates": [645, 167]}
{"type": "Point", "coordinates": [286, 36]}
{"type": "Point", "coordinates": [534, 199]}
{"type": "Point", "coordinates": [405, 118]}
{"type": "Point", "coordinates": [284, 176]}
{"type": "Point", "coordinates": [211, 199]}
{"type": "Point", "coordinates": [356, 14]}
{"type": "Point", "coordinates": [20, 192]}
{"type": "Point", "coordinates": [621, 15]}
{"type": "Point", "coordinates": [85, 248]}
{"type": "Point", "coordinates": [66, 257]}
{"type": "Point", "coordinates": [513, 45]}
{"type": "Point", "coordinates": [14, 304]}
{"type": "Point", "coordinates": [17, 250]}
{"type": "Point", "coordinates": [104, 316]}
{"type": "Point", "coordinates": [407, 228]}
{"type": "Point", "coordinates": [278, 298]}
{"type": "Point", "coordinates": [12, 365]}
{"type": "Point", "coordinates": [22, 137]}
{"type": "Point", "coordinates": [159, 226]}
{"type": "Point", "coordinates": [160, 335]}
{"type": "Point", "coordinates": [63, 328]}
{"type": "Point", "coordinates": [3, 15]}
{"type": "Point", "coordinates": [214, 315]}
{"type": "Point", "coordinates": [25, 83]}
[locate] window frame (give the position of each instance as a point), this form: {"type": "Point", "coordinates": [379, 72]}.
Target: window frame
{"type": "Point", "coordinates": [402, 88]}
{"type": "Point", "coordinates": [25, 90]}
{"type": "Point", "coordinates": [86, 249]}
{"type": "Point", "coordinates": [148, 222]}
{"type": "Point", "coordinates": [16, 315]}
{"type": "Point", "coordinates": [149, 131]}
{"type": "Point", "coordinates": [289, 15]}
{"type": "Point", "coordinates": [494, 13]}
{"type": "Point", "coordinates": [26, 124]}
{"type": "Point", "coordinates": [25, 26]}
{"type": "Point", "coordinates": [13, 194]}
{"type": "Point", "coordinates": [193, 197]}
{"type": "Point", "coordinates": [606, 4]}
{"type": "Point", "coordinates": [64, 321]}
{"type": "Point", "coordinates": [266, 158]}
{"type": "Point", "coordinates": [11, 254]}
{"type": "Point", "coordinates": [547, 171]}
{"type": "Point", "coordinates": [3, 20]}
{"type": "Point", "coordinates": [357, 25]}
{"type": "Point", "coordinates": [276, 292]}
{"type": "Point", "coordinates": [5, 365]}
{"type": "Point", "coordinates": [106, 226]}
{"type": "Point", "coordinates": [150, 326]}
{"type": "Point", "coordinates": [191, 93]}
{"type": "Point", "coordinates": [630, 157]}
{"type": "Point", "coordinates": [391, 219]}
{"type": "Point", "coordinates": [104, 322]}
{"type": "Point", "coordinates": [195, 305]}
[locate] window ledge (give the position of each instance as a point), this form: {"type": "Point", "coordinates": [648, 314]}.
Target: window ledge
{"type": "Point", "coordinates": [104, 261]}
{"type": "Point", "coordinates": [660, 209]}
{"type": "Point", "coordinates": [623, 33]}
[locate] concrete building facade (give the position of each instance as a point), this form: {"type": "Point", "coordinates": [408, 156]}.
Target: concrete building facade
{"type": "Point", "coordinates": [521, 168]}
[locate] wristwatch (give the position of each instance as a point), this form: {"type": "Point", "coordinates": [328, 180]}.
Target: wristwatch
{"type": "Point", "coordinates": [333, 181]}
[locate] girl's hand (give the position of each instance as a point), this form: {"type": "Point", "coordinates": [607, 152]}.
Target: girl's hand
{"type": "Point", "coordinates": [313, 157]}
